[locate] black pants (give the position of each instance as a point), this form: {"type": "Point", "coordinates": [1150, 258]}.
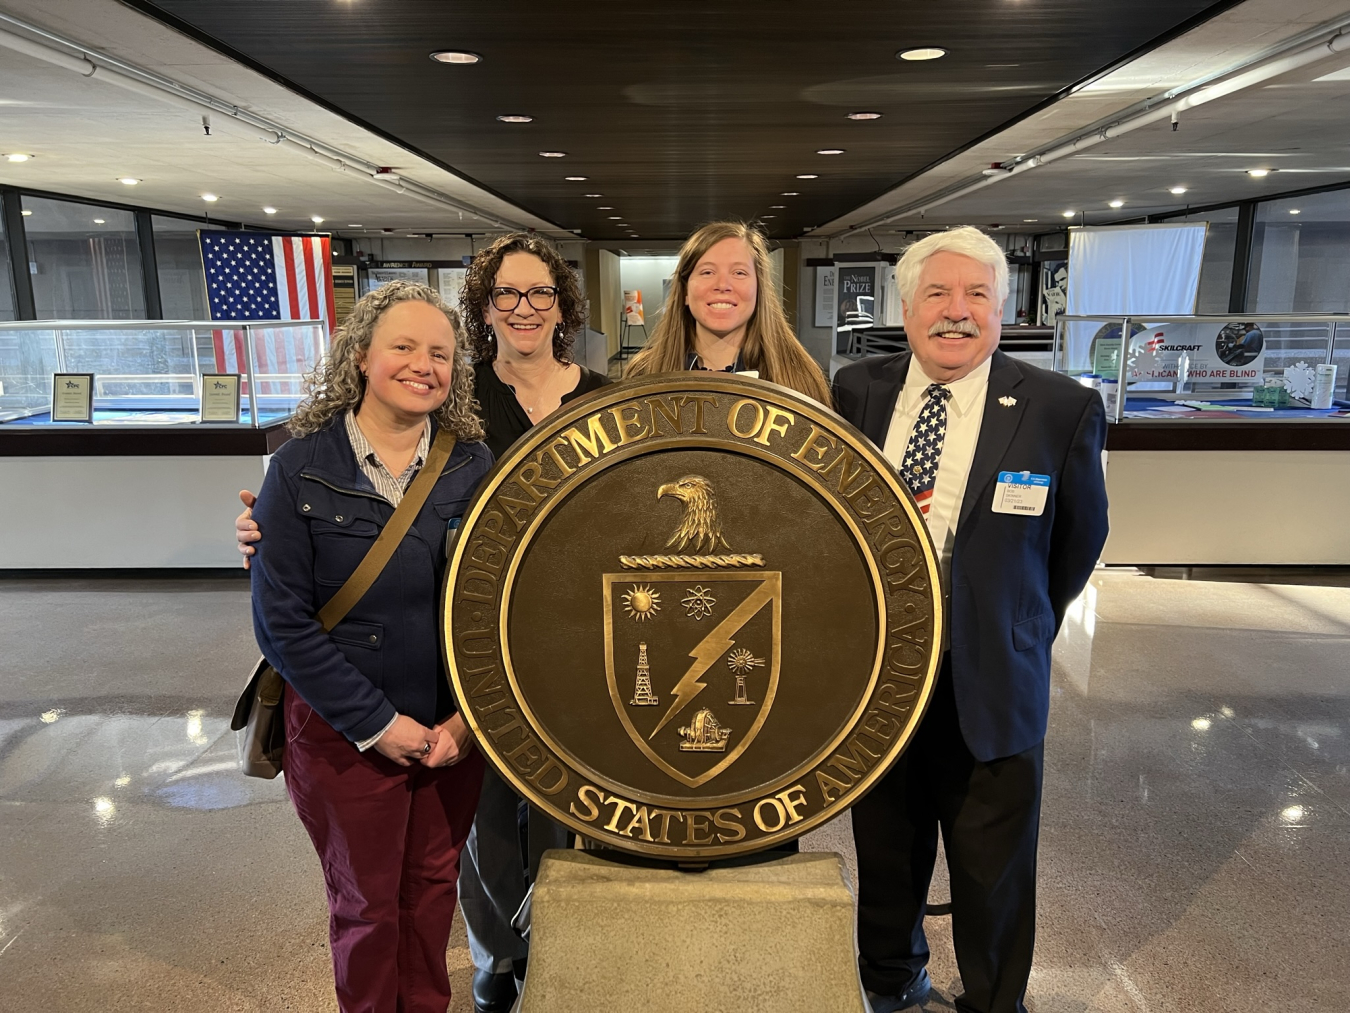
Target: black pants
{"type": "Point", "coordinates": [990, 819]}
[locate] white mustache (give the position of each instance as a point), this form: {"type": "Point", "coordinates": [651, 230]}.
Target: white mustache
{"type": "Point", "coordinates": [966, 327]}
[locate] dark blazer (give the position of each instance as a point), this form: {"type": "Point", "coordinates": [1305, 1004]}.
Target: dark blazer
{"type": "Point", "coordinates": [321, 514]}
{"type": "Point", "coordinates": [1012, 576]}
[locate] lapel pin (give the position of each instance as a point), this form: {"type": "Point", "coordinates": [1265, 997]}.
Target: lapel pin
{"type": "Point", "coordinates": [1007, 402]}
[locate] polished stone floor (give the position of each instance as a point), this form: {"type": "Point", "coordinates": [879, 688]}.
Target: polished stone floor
{"type": "Point", "coordinates": [1195, 853]}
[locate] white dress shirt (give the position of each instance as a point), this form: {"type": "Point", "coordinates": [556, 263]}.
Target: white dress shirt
{"type": "Point", "coordinates": [965, 411]}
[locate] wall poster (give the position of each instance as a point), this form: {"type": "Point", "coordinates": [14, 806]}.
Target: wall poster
{"type": "Point", "coordinates": [825, 306]}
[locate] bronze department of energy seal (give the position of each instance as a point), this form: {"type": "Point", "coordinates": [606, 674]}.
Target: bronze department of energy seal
{"type": "Point", "coordinates": [693, 616]}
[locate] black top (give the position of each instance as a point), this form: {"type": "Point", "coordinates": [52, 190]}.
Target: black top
{"type": "Point", "coordinates": [505, 419]}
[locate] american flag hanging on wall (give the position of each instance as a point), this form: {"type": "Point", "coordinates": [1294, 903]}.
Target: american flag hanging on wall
{"type": "Point", "coordinates": [260, 276]}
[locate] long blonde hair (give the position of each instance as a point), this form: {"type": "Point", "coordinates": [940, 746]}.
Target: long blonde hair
{"type": "Point", "coordinates": [336, 385]}
{"type": "Point", "coordinates": [770, 345]}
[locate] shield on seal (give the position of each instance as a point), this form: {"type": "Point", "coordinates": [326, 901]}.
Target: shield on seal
{"type": "Point", "coordinates": [692, 658]}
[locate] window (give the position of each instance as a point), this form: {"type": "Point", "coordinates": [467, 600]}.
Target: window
{"type": "Point", "coordinates": [1216, 263]}
{"type": "Point", "coordinates": [182, 283]}
{"type": "Point", "coordinates": [6, 279]}
{"type": "Point", "coordinates": [1301, 255]}
{"type": "Point", "coordinates": [86, 262]}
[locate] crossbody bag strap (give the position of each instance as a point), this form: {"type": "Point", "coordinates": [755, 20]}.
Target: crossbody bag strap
{"type": "Point", "coordinates": [383, 550]}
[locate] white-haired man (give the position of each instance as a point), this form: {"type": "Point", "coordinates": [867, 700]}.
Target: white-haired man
{"type": "Point", "coordinates": [1005, 461]}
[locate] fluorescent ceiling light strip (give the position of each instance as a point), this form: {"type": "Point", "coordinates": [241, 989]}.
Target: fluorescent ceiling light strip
{"type": "Point", "coordinates": [1297, 53]}
{"type": "Point", "coordinates": [94, 64]}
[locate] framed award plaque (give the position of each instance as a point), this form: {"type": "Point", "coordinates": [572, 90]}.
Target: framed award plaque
{"type": "Point", "coordinates": [220, 397]}
{"type": "Point", "coordinates": [72, 397]}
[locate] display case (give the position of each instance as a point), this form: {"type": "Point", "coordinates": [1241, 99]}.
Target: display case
{"type": "Point", "coordinates": [148, 483]}
{"type": "Point", "coordinates": [1228, 438]}
{"type": "Point", "coordinates": [148, 372]}
{"type": "Point", "coordinates": [1260, 367]}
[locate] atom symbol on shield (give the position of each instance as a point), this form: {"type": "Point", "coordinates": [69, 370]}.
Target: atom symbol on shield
{"type": "Point", "coordinates": [699, 604]}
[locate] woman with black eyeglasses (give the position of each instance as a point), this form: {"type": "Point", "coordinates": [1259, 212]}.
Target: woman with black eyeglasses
{"type": "Point", "coordinates": [523, 308]}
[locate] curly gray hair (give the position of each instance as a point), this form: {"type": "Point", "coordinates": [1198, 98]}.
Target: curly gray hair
{"type": "Point", "coordinates": [336, 385]}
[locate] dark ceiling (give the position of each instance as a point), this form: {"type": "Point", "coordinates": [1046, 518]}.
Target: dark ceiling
{"type": "Point", "coordinates": [679, 113]}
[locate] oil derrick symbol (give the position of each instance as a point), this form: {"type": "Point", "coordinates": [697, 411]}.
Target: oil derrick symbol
{"type": "Point", "coordinates": [642, 694]}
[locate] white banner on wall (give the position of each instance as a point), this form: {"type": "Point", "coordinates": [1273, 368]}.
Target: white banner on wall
{"type": "Point", "coordinates": [451, 283]}
{"type": "Point", "coordinates": [1130, 269]}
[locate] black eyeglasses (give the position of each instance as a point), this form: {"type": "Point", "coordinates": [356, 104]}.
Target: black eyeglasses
{"type": "Point", "coordinates": [541, 298]}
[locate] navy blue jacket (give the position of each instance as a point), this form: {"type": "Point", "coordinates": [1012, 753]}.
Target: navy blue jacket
{"type": "Point", "coordinates": [1012, 576]}
{"type": "Point", "coordinates": [321, 515]}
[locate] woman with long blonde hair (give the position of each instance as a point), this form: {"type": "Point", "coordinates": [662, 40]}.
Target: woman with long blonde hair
{"type": "Point", "coordinates": [724, 313]}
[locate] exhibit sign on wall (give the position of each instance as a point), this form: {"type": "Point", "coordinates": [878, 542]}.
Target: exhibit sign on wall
{"type": "Point", "coordinates": [451, 283]}
{"type": "Point", "coordinates": [856, 294]}
{"type": "Point", "coordinates": [825, 304]}
{"type": "Point", "coordinates": [1233, 352]}
{"type": "Point", "coordinates": [377, 276]}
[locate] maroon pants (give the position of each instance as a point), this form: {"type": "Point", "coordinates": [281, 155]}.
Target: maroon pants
{"type": "Point", "coordinates": [389, 839]}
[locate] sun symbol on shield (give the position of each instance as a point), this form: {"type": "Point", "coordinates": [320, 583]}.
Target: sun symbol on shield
{"type": "Point", "coordinates": [641, 603]}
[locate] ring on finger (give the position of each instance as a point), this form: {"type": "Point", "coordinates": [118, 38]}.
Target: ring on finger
{"type": "Point", "coordinates": [426, 748]}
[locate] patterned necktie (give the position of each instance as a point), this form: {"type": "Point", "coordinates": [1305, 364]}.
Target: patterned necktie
{"type": "Point", "coordinates": [920, 467]}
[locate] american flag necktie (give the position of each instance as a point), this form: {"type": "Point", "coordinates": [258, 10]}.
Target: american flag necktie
{"type": "Point", "coordinates": [920, 466]}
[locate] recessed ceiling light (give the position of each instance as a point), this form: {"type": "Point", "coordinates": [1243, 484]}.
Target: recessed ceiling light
{"type": "Point", "coordinates": [316, 219]}
{"type": "Point", "coordinates": [1116, 204]}
{"type": "Point", "coordinates": [269, 211]}
{"type": "Point", "coordinates": [515, 119]}
{"type": "Point", "coordinates": [1069, 214]}
{"type": "Point", "coordinates": [25, 212]}
{"type": "Point", "coordinates": [807, 175]}
{"type": "Point", "coordinates": [922, 53]}
{"type": "Point", "coordinates": [616, 218]}
{"type": "Point", "coordinates": [455, 56]}
{"type": "Point", "coordinates": [789, 193]}
{"type": "Point", "coordinates": [99, 221]}
{"type": "Point", "coordinates": [17, 156]}
{"type": "Point", "coordinates": [575, 179]}
{"type": "Point", "coordinates": [1031, 219]}
{"type": "Point", "coordinates": [830, 151]}
{"type": "Point", "coordinates": [768, 216]}
{"type": "Point", "coordinates": [1178, 190]}
{"type": "Point", "coordinates": [604, 207]}
{"type": "Point", "coordinates": [777, 207]}
{"type": "Point", "coordinates": [210, 198]}
{"type": "Point", "coordinates": [864, 116]}
{"type": "Point", "coordinates": [128, 180]}
{"type": "Point", "coordinates": [1294, 211]}
{"type": "Point", "coordinates": [592, 195]}
{"type": "Point", "coordinates": [357, 226]}
{"type": "Point", "coordinates": [552, 154]}
{"type": "Point", "coordinates": [1258, 173]}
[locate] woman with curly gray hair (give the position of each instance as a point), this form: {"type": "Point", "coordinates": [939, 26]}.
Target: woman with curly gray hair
{"type": "Point", "coordinates": [379, 765]}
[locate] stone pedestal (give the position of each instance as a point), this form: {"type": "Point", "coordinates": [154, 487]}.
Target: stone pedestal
{"type": "Point", "coordinates": [772, 934]}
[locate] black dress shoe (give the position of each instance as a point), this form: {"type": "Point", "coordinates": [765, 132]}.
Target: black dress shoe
{"type": "Point", "coordinates": [915, 994]}
{"type": "Point", "coordinates": [493, 993]}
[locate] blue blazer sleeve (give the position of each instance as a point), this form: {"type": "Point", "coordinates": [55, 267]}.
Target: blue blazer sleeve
{"type": "Point", "coordinates": [1080, 526]}
{"type": "Point", "coordinates": [285, 606]}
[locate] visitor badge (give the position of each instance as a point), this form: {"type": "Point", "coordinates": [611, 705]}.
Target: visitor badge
{"type": "Point", "coordinates": [1021, 492]}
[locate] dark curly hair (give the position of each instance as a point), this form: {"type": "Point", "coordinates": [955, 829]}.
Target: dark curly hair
{"type": "Point", "coordinates": [482, 275]}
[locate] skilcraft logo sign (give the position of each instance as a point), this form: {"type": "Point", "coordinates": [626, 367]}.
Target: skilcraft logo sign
{"type": "Point", "coordinates": [1235, 354]}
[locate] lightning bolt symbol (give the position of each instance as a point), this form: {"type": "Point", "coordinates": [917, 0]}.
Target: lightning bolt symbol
{"type": "Point", "coordinates": [713, 646]}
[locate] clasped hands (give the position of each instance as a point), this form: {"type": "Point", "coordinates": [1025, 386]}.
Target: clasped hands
{"type": "Point", "coordinates": [406, 740]}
